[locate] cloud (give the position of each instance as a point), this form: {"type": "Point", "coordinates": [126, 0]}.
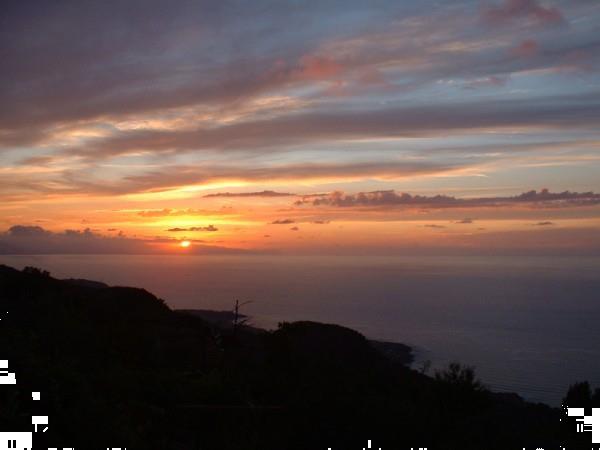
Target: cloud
{"type": "Point", "coordinates": [283, 222]}
{"type": "Point", "coordinates": [321, 222]}
{"type": "Point", "coordinates": [492, 80]}
{"type": "Point", "coordinates": [116, 74]}
{"type": "Point", "coordinates": [559, 111]}
{"type": "Point", "coordinates": [543, 198]}
{"type": "Point", "coordinates": [167, 212]}
{"type": "Point", "coordinates": [250, 194]}
{"type": "Point", "coordinates": [156, 213]}
{"type": "Point", "coordinates": [207, 228]}
{"type": "Point", "coordinates": [172, 177]}
{"type": "Point", "coordinates": [511, 10]}
{"type": "Point", "coordinates": [545, 195]}
{"type": "Point", "coordinates": [526, 49]}
{"type": "Point", "coordinates": [374, 198]}
{"type": "Point", "coordinates": [466, 220]}
{"type": "Point", "coordinates": [25, 239]}
{"type": "Point", "coordinates": [433, 225]}
{"type": "Point", "coordinates": [96, 76]}
{"type": "Point", "coordinates": [318, 67]}
{"type": "Point", "coordinates": [26, 231]}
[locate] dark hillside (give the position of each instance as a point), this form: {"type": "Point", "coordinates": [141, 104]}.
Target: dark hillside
{"type": "Point", "coordinates": [117, 367]}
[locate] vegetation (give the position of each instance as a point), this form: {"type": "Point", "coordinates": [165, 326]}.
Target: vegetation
{"type": "Point", "coordinates": [117, 367]}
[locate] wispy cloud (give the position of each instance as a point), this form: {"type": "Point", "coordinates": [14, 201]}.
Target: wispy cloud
{"type": "Point", "coordinates": [465, 221]}
{"type": "Point", "coordinates": [173, 177]}
{"type": "Point", "coordinates": [250, 194]}
{"type": "Point", "coordinates": [168, 212]}
{"type": "Point", "coordinates": [510, 10]}
{"type": "Point", "coordinates": [558, 112]}
{"type": "Point", "coordinates": [206, 228]}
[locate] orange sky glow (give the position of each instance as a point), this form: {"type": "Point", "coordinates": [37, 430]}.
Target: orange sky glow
{"type": "Point", "coordinates": [402, 130]}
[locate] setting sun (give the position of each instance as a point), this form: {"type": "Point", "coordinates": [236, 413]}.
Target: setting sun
{"type": "Point", "coordinates": [185, 244]}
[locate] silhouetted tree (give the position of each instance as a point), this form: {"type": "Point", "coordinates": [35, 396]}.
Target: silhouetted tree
{"type": "Point", "coordinates": [459, 376]}
{"type": "Point", "coordinates": [580, 395]}
{"type": "Point", "coordinates": [30, 270]}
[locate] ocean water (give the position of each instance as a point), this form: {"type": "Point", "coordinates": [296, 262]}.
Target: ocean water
{"type": "Point", "coordinates": [529, 325]}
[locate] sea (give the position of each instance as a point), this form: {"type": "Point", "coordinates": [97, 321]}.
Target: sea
{"type": "Point", "coordinates": [529, 325]}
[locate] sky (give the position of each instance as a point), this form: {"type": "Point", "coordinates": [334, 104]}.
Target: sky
{"type": "Point", "coordinates": [342, 127]}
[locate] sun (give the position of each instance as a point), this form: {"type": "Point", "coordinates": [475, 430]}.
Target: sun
{"type": "Point", "coordinates": [185, 244]}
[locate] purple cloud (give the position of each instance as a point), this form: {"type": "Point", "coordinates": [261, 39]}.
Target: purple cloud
{"type": "Point", "coordinates": [511, 10]}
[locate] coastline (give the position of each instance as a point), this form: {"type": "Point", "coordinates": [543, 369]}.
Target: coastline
{"type": "Point", "coordinates": [396, 352]}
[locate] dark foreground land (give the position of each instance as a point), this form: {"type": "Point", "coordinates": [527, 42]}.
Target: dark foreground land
{"type": "Point", "coordinates": [117, 368]}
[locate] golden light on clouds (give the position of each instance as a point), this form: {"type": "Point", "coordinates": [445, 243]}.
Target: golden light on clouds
{"type": "Point", "coordinates": [362, 136]}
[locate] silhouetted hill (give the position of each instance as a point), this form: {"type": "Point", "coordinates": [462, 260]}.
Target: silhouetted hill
{"type": "Point", "coordinates": [117, 367]}
{"type": "Point", "coordinates": [394, 351]}
{"type": "Point", "coordinates": [86, 283]}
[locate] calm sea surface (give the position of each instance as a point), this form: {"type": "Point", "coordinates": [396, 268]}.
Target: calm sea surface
{"type": "Point", "coordinates": [529, 325]}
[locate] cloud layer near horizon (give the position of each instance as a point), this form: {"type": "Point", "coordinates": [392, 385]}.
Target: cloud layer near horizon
{"type": "Point", "coordinates": [543, 198]}
{"type": "Point", "coordinates": [33, 239]}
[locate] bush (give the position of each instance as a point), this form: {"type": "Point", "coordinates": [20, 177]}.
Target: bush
{"type": "Point", "coordinates": [459, 376]}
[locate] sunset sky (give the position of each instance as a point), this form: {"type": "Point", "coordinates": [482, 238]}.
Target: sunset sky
{"type": "Point", "coordinates": [400, 127]}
